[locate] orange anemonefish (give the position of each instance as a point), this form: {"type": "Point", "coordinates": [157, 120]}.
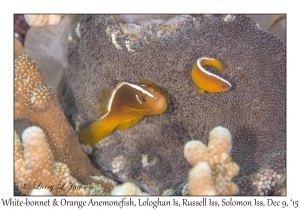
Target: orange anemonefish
{"type": "Point", "coordinates": [207, 81]}
{"type": "Point", "coordinates": [124, 106]}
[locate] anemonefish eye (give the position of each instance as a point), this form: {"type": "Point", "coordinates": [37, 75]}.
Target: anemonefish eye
{"type": "Point", "coordinates": [144, 100]}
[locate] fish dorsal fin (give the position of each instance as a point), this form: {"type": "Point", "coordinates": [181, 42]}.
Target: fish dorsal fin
{"type": "Point", "coordinates": [133, 111]}
{"type": "Point", "coordinates": [155, 87]}
{"type": "Point", "coordinates": [129, 123]}
{"type": "Point", "coordinates": [104, 100]}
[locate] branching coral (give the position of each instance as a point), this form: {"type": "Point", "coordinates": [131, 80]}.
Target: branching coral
{"type": "Point", "coordinates": [36, 170]}
{"type": "Point", "coordinates": [213, 168]}
{"type": "Point", "coordinates": [128, 188]}
{"type": "Point", "coordinates": [38, 103]}
{"type": "Point", "coordinates": [101, 54]}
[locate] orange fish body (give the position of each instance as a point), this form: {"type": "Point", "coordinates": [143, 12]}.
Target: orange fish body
{"type": "Point", "coordinates": [126, 105]}
{"type": "Point", "coordinates": [207, 81]}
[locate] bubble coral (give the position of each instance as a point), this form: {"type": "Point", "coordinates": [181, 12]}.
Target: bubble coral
{"type": "Point", "coordinates": [213, 168]}
{"type": "Point", "coordinates": [38, 104]}
{"type": "Point", "coordinates": [101, 53]}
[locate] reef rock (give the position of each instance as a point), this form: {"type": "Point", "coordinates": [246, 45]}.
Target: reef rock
{"type": "Point", "coordinates": [103, 50]}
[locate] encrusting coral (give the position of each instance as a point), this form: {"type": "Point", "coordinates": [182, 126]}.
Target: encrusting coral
{"type": "Point", "coordinates": [101, 53]}
{"type": "Point", "coordinates": [38, 104]}
{"type": "Point", "coordinates": [213, 169]}
{"type": "Point", "coordinates": [36, 170]}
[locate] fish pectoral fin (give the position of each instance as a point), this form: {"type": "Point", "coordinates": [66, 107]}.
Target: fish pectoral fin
{"type": "Point", "coordinates": [199, 90]}
{"type": "Point", "coordinates": [133, 111]}
{"type": "Point", "coordinates": [128, 124]}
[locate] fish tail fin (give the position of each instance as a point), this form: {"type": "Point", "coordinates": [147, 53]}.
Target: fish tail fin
{"type": "Point", "coordinates": [217, 63]}
{"type": "Point", "coordinates": [96, 131]}
{"type": "Point", "coordinates": [212, 62]}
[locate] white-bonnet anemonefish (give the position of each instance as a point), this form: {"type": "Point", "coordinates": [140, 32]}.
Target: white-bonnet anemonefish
{"type": "Point", "coordinates": [124, 106]}
{"type": "Point", "coordinates": [207, 81]}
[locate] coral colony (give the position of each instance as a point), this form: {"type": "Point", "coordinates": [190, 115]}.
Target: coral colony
{"type": "Point", "coordinates": [211, 135]}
